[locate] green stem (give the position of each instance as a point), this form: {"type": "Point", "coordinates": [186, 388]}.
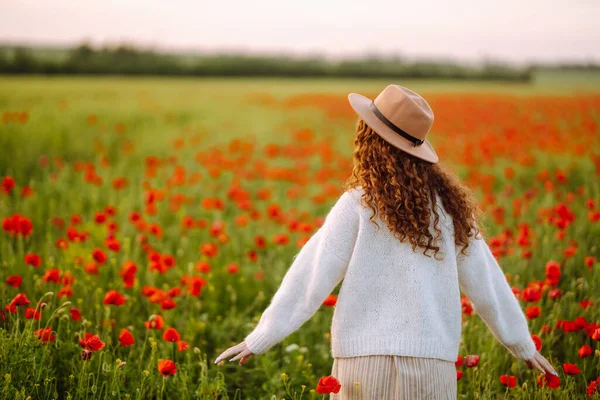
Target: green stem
{"type": "Point", "coordinates": [163, 387]}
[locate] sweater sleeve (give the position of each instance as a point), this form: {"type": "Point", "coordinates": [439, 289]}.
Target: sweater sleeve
{"type": "Point", "coordinates": [482, 280]}
{"type": "Point", "coordinates": [315, 271]}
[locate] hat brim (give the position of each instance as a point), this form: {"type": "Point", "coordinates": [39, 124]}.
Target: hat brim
{"type": "Point", "coordinates": [361, 104]}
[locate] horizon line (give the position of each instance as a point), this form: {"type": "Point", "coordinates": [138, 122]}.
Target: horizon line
{"type": "Point", "coordinates": [245, 50]}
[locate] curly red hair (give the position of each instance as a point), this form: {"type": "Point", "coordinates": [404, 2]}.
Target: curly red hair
{"type": "Point", "coordinates": [401, 188]}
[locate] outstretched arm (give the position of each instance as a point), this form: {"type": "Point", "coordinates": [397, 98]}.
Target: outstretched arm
{"type": "Point", "coordinates": [484, 283]}
{"type": "Point", "coordinates": [316, 270]}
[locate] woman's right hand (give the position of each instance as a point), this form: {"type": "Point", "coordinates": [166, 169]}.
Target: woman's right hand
{"type": "Point", "coordinates": [538, 361]}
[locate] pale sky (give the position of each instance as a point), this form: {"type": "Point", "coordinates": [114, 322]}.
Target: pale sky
{"type": "Point", "coordinates": [512, 30]}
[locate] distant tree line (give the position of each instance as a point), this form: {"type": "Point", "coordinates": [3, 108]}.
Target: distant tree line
{"type": "Point", "coordinates": [128, 60]}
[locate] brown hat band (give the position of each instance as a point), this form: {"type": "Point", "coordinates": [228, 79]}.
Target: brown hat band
{"type": "Point", "coordinates": [416, 141]}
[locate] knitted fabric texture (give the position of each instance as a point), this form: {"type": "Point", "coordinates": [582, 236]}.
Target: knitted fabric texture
{"type": "Point", "coordinates": [392, 300]}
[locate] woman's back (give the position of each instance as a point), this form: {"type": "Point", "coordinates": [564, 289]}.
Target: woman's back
{"type": "Point", "coordinates": [395, 299]}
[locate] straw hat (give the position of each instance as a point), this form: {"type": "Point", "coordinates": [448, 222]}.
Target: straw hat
{"type": "Point", "coordinates": [401, 117]}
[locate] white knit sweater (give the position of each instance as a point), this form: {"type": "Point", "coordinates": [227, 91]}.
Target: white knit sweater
{"type": "Point", "coordinates": [392, 300]}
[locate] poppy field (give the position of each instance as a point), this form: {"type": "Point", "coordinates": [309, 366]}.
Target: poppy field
{"type": "Point", "coordinates": [146, 224]}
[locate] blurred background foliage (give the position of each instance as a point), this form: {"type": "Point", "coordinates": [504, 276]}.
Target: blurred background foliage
{"type": "Point", "coordinates": [131, 60]}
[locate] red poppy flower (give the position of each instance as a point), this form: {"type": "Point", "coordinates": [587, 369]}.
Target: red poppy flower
{"type": "Point", "coordinates": [8, 183]}
{"type": "Point", "coordinates": [589, 261]}
{"type": "Point", "coordinates": [76, 219]}
{"type": "Point", "coordinates": [20, 300]}
{"type": "Point", "coordinates": [554, 293]}
{"type": "Point", "coordinates": [174, 292]}
{"type": "Point", "coordinates": [260, 241]}
{"type": "Point", "coordinates": [570, 251]}
{"type": "Point", "coordinates": [233, 268]}
{"type": "Point", "coordinates": [328, 384]}
{"type": "Point", "coordinates": [126, 338]}
{"type": "Point", "coordinates": [510, 381]}
{"type": "Point", "coordinates": [467, 307]}
{"type": "Point", "coordinates": [571, 369]}
{"type": "Point", "coordinates": [553, 272]}
{"type": "Point", "coordinates": [531, 295]}
{"type": "Point", "coordinates": [533, 312]}
{"type": "Point", "coordinates": [52, 274]}
{"type": "Point", "coordinates": [549, 380]}
{"type": "Point", "coordinates": [538, 342]}
{"type": "Point", "coordinates": [217, 227]}
{"type": "Point", "coordinates": [194, 285]}
{"type": "Point", "coordinates": [459, 361]}
{"type": "Point", "coordinates": [526, 254]}
{"type": "Point", "coordinates": [33, 259]}
{"type": "Point", "coordinates": [209, 249]}
{"type": "Point", "coordinates": [99, 255]}
{"type": "Point", "coordinates": [182, 346]}
{"type": "Point", "coordinates": [171, 335]}
{"type": "Point", "coordinates": [167, 367]}
{"type": "Point", "coordinates": [472, 360]}
{"type": "Point", "coordinates": [100, 217]}
{"type": "Point", "coordinates": [32, 313]}
{"type": "Point", "coordinates": [113, 297]}
{"type": "Point", "coordinates": [25, 227]}
{"type": "Point", "coordinates": [14, 281]}
{"type": "Point", "coordinates": [65, 291]}
{"type": "Point", "coordinates": [168, 304]}
{"type": "Point", "coordinates": [203, 266]}
{"type": "Point", "coordinates": [17, 225]}
{"type": "Point", "coordinates": [91, 267]}
{"type": "Point", "coordinates": [156, 322]}
{"type": "Point", "coordinates": [110, 210]}
{"type": "Point", "coordinates": [119, 183]}
{"type": "Point", "coordinates": [27, 191]}
{"type": "Point", "coordinates": [112, 244]}
{"type": "Point", "coordinates": [149, 290]}
{"type": "Point", "coordinates": [75, 314]}
{"type": "Point", "coordinates": [281, 238]}
{"type": "Point", "coordinates": [45, 335]}
{"type": "Point", "coordinates": [585, 351]}
{"type": "Point", "coordinates": [330, 301]}
{"type": "Point", "coordinates": [155, 230]}
{"type": "Point", "coordinates": [586, 303]}
{"type": "Point", "coordinates": [252, 255]}
{"type": "Point", "coordinates": [67, 278]}
{"type": "Point", "coordinates": [112, 227]}
{"type": "Point", "coordinates": [62, 244]}
{"type": "Point", "coordinates": [91, 342]}
{"type": "Point", "coordinates": [127, 273]}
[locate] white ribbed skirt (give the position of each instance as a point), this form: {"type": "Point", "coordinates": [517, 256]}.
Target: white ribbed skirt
{"type": "Point", "coordinates": [378, 377]}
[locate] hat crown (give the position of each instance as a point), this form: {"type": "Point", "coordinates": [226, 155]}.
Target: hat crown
{"type": "Point", "coordinates": [406, 109]}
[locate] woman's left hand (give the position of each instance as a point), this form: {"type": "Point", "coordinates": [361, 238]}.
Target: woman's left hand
{"type": "Point", "coordinates": [538, 361]}
{"type": "Point", "coordinates": [241, 348]}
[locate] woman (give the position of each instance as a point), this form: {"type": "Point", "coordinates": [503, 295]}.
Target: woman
{"type": "Point", "coordinates": [405, 240]}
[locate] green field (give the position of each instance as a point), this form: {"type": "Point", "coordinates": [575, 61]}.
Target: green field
{"type": "Point", "coordinates": [180, 143]}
